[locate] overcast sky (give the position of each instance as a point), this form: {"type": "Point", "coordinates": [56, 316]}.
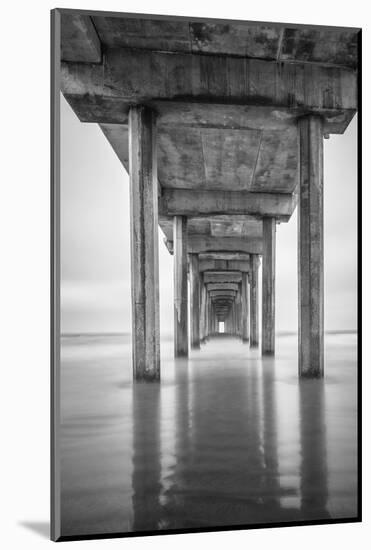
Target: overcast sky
{"type": "Point", "coordinates": [95, 238]}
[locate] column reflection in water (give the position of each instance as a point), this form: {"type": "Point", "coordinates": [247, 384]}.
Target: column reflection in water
{"type": "Point", "coordinates": [146, 478]}
{"type": "Point", "coordinates": [225, 438]}
{"type": "Point", "coordinates": [314, 470]}
{"type": "Point", "coordinates": [228, 442]}
{"type": "Point", "coordinates": [174, 505]}
{"type": "Point", "coordinates": [225, 471]}
{"type": "Point", "coordinates": [269, 437]}
{"type": "Point", "coordinates": [302, 447]}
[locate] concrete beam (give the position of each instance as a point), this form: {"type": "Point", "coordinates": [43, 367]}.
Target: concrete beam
{"type": "Point", "coordinates": [198, 243]}
{"type": "Point", "coordinates": [213, 265]}
{"type": "Point", "coordinates": [222, 276]}
{"type": "Point", "coordinates": [203, 243]}
{"type": "Point", "coordinates": [222, 293]}
{"type": "Point", "coordinates": [224, 265]}
{"type": "Point", "coordinates": [242, 117]}
{"type": "Point", "coordinates": [227, 256]}
{"type": "Point", "coordinates": [144, 246]}
{"type": "Point", "coordinates": [222, 286]}
{"type": "Point", "coordinates": [192, 202]}
{"type": "Point", "coordinates": [134, 76]}
{"type": "Point", "coordinates": [243, 266]}
{"type": "Point", "coordinates": [79, 39]}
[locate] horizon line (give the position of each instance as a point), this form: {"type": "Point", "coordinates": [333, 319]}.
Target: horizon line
{"type": "Point", "coordinates": [121, 333]}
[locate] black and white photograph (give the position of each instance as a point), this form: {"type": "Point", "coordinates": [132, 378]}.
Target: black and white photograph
{"type": "Point", "coordinates": [205, 274]}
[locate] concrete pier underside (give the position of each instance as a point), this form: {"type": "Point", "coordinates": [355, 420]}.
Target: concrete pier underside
{"type": "Point", "coordinates": [220, 127]}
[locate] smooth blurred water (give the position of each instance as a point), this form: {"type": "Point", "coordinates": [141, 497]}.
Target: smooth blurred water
{"type": "Point", "coordinates": [226, 438]}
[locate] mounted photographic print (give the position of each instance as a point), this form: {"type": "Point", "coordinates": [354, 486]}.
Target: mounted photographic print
{"type": "Point", "coordinates": [205, 192]}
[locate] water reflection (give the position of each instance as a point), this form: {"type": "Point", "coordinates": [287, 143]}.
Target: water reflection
{"type": "Point", "coordinates": [314, 469]}
{"type": "Point", "coordinates": [146, 477]}
{"type": "Point", "coordinates": [226, 438]}
{"type": "Point", "coordinates": [225, 445]}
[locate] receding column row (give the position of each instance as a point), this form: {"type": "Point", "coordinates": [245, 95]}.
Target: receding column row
{"type": "Point", "coordinates": [243, 312]}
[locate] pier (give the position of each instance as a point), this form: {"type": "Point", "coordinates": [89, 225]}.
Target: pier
{"type": "Point", "coordinates": [220, 127]}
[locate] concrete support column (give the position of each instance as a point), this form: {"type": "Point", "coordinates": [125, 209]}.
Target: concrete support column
{"type": "Point", "coordinates": [226, 324]}
{"type": "Point", "coordinates": [239, 310]}
{"type": "Point", "coordinates": [254, 300]}
{"type": "Point", "coordinates": [180, 287]}
{"type": "Point", "coordinates": [207, 316]}
{"type": "Point", "coordinates": [234, 318]}
{"type": "Point", "coordinates": [229, 321]}
{"type": "Point", "coordinates": [203, 309]}
{"type": "Point", "coordinates": [144, 244]}
{"type": "Point", "coordinates": [245, 307]}
{"type": "Point", "coordinates": [310, 248]}
{"type": "Point", "coordinates": [269, 279]}
{"type": "Point", "coordinates": [195, 300]}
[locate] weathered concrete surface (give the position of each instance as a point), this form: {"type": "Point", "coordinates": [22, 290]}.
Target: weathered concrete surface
{"type": "Point", "coordinates": [268, 284]}
{"type": "Point", "coordinates": [233, 159]}
{"type": "Point", "coordinates": [200, 234]}
{"type": "Point", "coordinates": [222, 286]}
{"type": "Point", "coordinates": [225, 256]}
{"type": "Point", "coordinates": [270, 41]}
{"type": "Point", "coordinates": [223, 293]}
{"type": "Point", "coordinates": [254, 300]}
{"type": "Point", "coordinates": [180, 287]}
{"type": "Point", "coordinates": [144, 245]}
{"type": "Point", "coordinates": [195, 292]}
{"type": "Point", "coordinates": [198, 202]}
{"type": "Point", "coordinates": [196, 114]}
{"type": "Point", "coordinates": [222, 276]}
{"type": "Point", "coordinates": [198, 244]}
{"type": "Point", "coordinates": [142, 75]}
{"type": "Point", "coordinates": [310, 240]}
{"type": "Point", "coordinates": [79, 39]}
{"type": "Point", "coordinates": [243, 117]}
{"type": "Point", "coordinates": [224, 265]}
{"type": "Point", "coordinates": [113, 121]}
{"type": "Point", "coordinates": [217, 226]}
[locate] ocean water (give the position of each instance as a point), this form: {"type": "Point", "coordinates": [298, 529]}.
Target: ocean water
{"type": "Point", "coordinates": [226, 438]}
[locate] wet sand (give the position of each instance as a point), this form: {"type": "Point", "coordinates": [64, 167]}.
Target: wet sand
{"type": "Point", "coordinates": [226, 438]}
